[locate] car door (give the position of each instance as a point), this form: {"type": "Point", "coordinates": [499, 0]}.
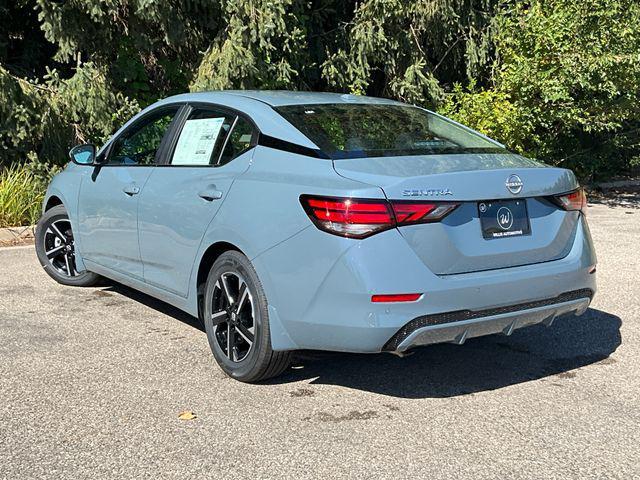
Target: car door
{"type": "Point", "coordinates": [212, 146]}
{"type": "Point", "coordinates": [108, 199]}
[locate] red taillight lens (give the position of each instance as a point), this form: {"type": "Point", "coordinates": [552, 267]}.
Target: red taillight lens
{"type": "Point", "coordinates": [576, 200]}
{"type": "Point", "coordinates": [360, 218]}
{"type": "Point", "coordinates": [401, 297]}
{"type": "Point", "coordinates": [420, 212]}
{"type": "Point", "coordinates": [348, 217]}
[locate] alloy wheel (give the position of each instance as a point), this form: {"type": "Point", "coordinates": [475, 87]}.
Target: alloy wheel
{"type": "Point", "coordinates": [233, 316]}
{"type": "Point", "coordinates": [59, 247]}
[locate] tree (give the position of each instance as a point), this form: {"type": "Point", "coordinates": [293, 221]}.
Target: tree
{"type": "Point", "coordinates": [555, 79]}
{"type": "Point", "coordinates": [23, 49]}
{"type": "Point", "coordinates": [567, 79]}
{"type": "Point", "coordinates": [150, 47]}
{"type": "Point", "coordinates": [412, 49]}
{"type": "Point", "coordinates": [41, 121]}
{"type": "Point", "coordinates": [267, 44]}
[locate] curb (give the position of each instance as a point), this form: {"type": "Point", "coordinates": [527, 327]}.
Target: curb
{"type": "Point", "coordinates": [616, 184]}
{"type": "Point", "coordinates": [17, 247]}
{"type": "Point", "coordinates": [17, 233]}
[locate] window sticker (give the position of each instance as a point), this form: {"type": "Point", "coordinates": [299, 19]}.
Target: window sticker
{"type": "Point", "coordinates": [196, 142]}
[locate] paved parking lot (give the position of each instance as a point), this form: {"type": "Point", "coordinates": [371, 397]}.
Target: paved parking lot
{"type": "Point", "coordinates": [92, 382]}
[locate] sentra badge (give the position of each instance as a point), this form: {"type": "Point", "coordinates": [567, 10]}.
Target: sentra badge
{"type": "Point", "coordinates": [427, 192]}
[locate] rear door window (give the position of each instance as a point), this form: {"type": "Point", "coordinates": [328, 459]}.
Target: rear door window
{"type": "Point", "coordinates": [240, 140]}
{"type": "Point", "coordinates": [202, 138]}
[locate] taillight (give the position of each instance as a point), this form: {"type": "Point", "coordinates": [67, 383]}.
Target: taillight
{"type": "Point", "coordinates": [348, 217]}
{"type": "Point", "coordinates": [408, 212]}
{"type": "Point", "coordinates": [576, 200]}
{"type": "Point", "coordinates": [360, 218]}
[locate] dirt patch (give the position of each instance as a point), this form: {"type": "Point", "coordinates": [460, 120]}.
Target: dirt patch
{"type": "Point", "coordinates": [302, 392]}
{"type": "Point", "coordinates": [607, 361]}
{"type": "Point", "coordinates": [102, 293]}
{"type": "Point", "coordinates": [350, 416]}
{"type": "Point", "coordinates": [16, 242]}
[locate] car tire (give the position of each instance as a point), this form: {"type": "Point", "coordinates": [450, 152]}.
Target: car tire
{"type": "Point", "coordinates": [236, 320]}
{"type": "Point", "coordinates": [55, 248]}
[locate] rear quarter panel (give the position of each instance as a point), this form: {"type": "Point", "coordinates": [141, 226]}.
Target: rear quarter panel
{"type": "Point", "coordinates": [263, 209]}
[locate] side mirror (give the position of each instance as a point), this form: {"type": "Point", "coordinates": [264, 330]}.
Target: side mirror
{"type": "Point", "coordinates": [83, 154]}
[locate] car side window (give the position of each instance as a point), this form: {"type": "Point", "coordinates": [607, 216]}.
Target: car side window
{"type": "Point", "coordinates": [202, 137]}
{"type": "Point", "coordinates": [139, 144]}
{"type": "Point", "coordinates": [240, 140]}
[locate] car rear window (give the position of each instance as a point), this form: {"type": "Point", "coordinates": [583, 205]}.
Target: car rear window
{"type": "Point", "coordinates": [367, 130]}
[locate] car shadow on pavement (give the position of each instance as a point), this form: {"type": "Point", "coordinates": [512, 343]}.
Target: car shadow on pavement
{"type": "Point", "coordinates": [481, 364]}
{"type": "Point", "coordinates": [441, 371]}
{"type": "Point", "coordinates": [154, 303]}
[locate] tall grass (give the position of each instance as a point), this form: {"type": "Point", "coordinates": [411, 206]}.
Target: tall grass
{"type": "Point", "coordinates": [21, 194]}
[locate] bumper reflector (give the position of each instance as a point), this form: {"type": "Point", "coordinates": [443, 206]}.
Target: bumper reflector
{"type": "Point", "coordinates": [401, 297]}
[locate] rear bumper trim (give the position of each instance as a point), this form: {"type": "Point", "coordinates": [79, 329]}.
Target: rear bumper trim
{"type": "Point", "coordinates": [459, 325]}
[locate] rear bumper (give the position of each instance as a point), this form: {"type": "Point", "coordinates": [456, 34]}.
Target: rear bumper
{"type": "Point", "coordinates": [456, 327]}
{"type": "Point", "coordinates": [319, 289]}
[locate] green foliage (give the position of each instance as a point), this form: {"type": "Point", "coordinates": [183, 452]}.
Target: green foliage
{"type": "Point", "coordinates": [555, 79]}
{"type": "Point", "coordinates": [268, 45]}
{"type": "Point", "coordinates": [45, 119]}
{"type": "Point", "coordinates": [262, 46]}
{"type": "Point", "coordinates": [90, 103]}
{"type": "Point", "coordinates": [20, 106]}
{"type": "Point", "coordinates": [140, 42]}
{"type": "Point", "coordinates": [490, 112]}
{"type": "Point", "coordinates": [21, 195]}
{"type": "Point", "coordinates": [411, 50]}
{"type": "Point", "coordinates": [566, 84]}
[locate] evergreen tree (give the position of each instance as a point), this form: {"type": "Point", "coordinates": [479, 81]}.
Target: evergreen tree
{"type": "Point", "coordinates": [412, 49]}
{"type": "Point", "coordinates": [555, 79]}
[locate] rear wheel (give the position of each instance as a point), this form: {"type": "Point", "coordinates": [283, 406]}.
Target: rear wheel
{"type": "Point", "coordinates": [236, 319]}
{"type": "Point", "coordinates": [55, 247]}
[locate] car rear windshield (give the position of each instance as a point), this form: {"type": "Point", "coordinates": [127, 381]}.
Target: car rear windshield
{"type": "Point", "coordinates": [364, 130]}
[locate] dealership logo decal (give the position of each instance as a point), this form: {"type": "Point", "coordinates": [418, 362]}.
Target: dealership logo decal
{"type": "Point", "coordinates": [427, 192]}
{"type": "Point", "coordinates": [514, 184]}
{"type": "Point", "coordinates": [505, 218]}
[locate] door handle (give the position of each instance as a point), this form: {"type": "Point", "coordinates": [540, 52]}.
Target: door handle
{"type": "Point", "coordinates": [210, 194]}
{"type": "Point", "coordinates": [131, 189]}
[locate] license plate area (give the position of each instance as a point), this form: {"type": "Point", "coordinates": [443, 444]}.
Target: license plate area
{"type": "Point", "coordinates": [504, 218]}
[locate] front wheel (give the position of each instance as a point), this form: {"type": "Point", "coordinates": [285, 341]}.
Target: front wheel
{"type": "Point", "coordinates": [55, 247]}
{"type": "Point", "coordinates": [236, 319]}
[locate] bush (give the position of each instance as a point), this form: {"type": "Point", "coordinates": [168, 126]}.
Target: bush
{"type": "Point", "coordinates": [566, 85]}
{"type": "Point", "coordinates": [489, 111]}
{"type": "Point", "coordinates": [21, 195]}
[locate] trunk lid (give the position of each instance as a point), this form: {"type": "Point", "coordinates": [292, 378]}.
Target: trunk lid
{"type": "Point", "coordinates": [456, 245]}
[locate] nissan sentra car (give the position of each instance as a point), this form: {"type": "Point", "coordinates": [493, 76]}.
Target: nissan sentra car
{"type": "Point", "coordinates": [288, 220]}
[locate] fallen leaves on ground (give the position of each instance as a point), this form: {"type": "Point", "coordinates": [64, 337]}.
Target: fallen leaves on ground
{"type": "Point", "coordinates": [187, 415]}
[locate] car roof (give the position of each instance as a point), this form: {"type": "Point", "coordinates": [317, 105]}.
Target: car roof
{"type": "Point", "coordinates": [277, 98]}
{"type": "Point", "coordinates": [259, 104]}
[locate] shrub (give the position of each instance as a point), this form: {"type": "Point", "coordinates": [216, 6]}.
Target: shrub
{"type": "Point", "coordinates": [21, 195]}
{"type": "Point", "coordinates": [566, 85]}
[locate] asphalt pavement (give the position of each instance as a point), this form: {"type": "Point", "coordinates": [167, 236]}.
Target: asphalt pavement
{"type": "Point", "coordinates": [92, 382]}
